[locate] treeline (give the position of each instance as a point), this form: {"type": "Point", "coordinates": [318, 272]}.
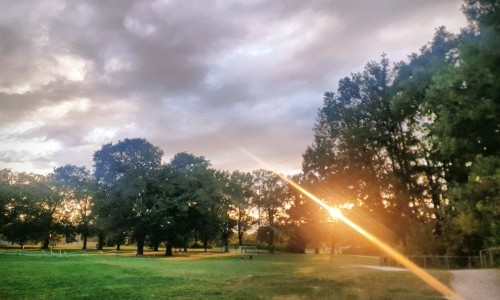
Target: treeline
{"type": "Point", "coordinates": [133, 196]}
{"type": "Point", "coordinates": [411, 150]}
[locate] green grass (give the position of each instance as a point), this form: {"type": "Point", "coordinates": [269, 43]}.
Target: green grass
{"type": "Point", "coordinates": [279, 276]}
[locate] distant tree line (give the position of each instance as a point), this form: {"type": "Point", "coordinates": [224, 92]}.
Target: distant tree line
{"type": "Point", "coordinates": [411, 150]}
{"type": "Point", "coordinates": [132, 195]}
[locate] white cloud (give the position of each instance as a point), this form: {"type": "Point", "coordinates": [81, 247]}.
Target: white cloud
{"type": "Point", "coordinates": [71, 67]}
{"type": "Point", "coordinates": [101, 135]}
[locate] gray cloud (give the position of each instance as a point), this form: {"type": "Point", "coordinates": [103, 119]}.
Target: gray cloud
{"type": "Point", "coordinates": [187, 75]}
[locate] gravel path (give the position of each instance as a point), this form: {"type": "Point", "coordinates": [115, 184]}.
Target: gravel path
{"type": "Point", "coordinates": [477, 284]}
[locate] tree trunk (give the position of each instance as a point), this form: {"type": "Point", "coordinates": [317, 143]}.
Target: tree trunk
{"type": "Point", "coordinates": [118, 246]}
{"type": "Point", "coordinates": [140, 245]}
{"type": "Point", "coordinates": [240, 239]}
{"type": "Point", "coordinates": [155, 247]}
{"type": "Point", "coordinates": [435, 197]}
{"type": "Point", "coordinates": [271, 231]}
{"type": "Point", "coordinates": [46, 244]}
{"type": "Point", "coordinates": [22, 246]}
{"type": "Point", "coordinates": [240, 228]}
{"type": "Point", "coordinates": [168, 250]}
{"type": "Point", "coordinates": [205, 244]}
{"type": "Point", "coordinates": [271, 240]}
{"type": "Point", "coordinates": [316, 250]}
{"type": "Point", "coordinates": [100, 242]}
{"type": "Point", "coordinates": [84, 247]}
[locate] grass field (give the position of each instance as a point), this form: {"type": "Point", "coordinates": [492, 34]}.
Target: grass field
{"type": "Point", "coordinates": [199, 276]}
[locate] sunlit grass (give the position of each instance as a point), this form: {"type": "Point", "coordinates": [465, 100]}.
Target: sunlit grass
{"type": "Point", "coordinates": [281, 276]}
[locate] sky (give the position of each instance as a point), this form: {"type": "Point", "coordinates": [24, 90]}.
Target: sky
{"type": "Point", "coordinates": [195, 76]}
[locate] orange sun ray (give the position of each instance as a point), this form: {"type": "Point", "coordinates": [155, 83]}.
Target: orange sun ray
{"type": "Point", "coordinates": [336, 213]}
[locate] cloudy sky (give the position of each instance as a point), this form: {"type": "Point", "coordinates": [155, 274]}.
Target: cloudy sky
{"type": "Point", "coordinates": [188, 75]}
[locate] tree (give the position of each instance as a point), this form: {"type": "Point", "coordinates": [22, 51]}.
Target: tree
{"type": "Point", "coordinates": [223, 208]}
{"type": "Point", "coordinates": [19, 214]}
{"type": "Point", "coordinates": [411, 99]}
{"type": "Point", "coordinates": [126, 173]}
{"type": "Point", "coordinates": [6, 195]}
{"type": "Point", "coordinates": [307, 222]}
{"type": "Point", "coordinates": [47, 206]}
{"type": "Point", "coordinates": [172, 210]}
{"type": "Point", "coordinates": [77, 187]}
{"type": "Point", "coordinates": [271, 197]}
{"type": "Point", "coordinates": [372, 146]}
{"type": "Point", "coordinates": [207, 211]}
{"type": "Point", "coordinates": [464, 98]}
{"type": "Point", "coordinates": [477, 222]}
{"type": "Point", "coordinates": [404, 143]}
{"type": "Point", "coordinates": [189, 201]}
{"type": "Point", "coordinates": [361, 147]}
{"type": "Point", "coordinates": [241, 193]}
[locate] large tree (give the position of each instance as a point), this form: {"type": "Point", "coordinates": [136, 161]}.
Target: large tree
{"type": "Point", "coordinates": [417, 144]}
{"type": "Point", "coordinates": [373, 147]}
{"type": "Point", "coordinates": [126, 173]}
{"type": "Point", "coordinates": [189, 201]}
{"type": "Point", "coordinates": [465, 99]}
{"type": "Point", "coordinates": [361, 147]}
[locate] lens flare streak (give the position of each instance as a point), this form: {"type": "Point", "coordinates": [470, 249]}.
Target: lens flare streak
{"type": "Point", "coordinates": [336, 213]}
{"type": "Point", "coordinates": [419, 272]}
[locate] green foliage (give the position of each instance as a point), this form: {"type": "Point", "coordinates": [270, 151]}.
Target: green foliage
{"type": "Point", "coordinates": [418, 144]}
{"type": "Point", "coordinates": [31, 208]}
{"type": "Point", "coordinates": [270, 198]}
{"type": "Point", "coordinates": [477, 223]}
{"type": "Point", "coordinates": [125, 173]}
{"type": "Point", "coordinates": [365, 152]}
{"type": "Point", "coordinates": [308, 223]}
{"type": "Point", "coordinates": [77, 188]}
{"type": "Point", "coordinates": [240, 192]}
{"type": "Point", "coordinates": [190, 202]}
{"type": "Point", "coordinates": [465, 100]}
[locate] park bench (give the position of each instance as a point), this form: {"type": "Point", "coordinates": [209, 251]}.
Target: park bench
{"type": "Point", "coordinates": [248, 251]}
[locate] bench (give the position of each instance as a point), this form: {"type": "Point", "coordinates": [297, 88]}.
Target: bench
{"type": "Point", "coordinates": [248, 251]}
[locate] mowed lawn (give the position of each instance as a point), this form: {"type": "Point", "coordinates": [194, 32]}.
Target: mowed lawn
{"type": "Point", "coordinates": [278, 276]}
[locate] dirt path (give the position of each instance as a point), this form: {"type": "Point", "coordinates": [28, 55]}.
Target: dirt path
{"type": "Point", "coordinates": [477, 284]}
